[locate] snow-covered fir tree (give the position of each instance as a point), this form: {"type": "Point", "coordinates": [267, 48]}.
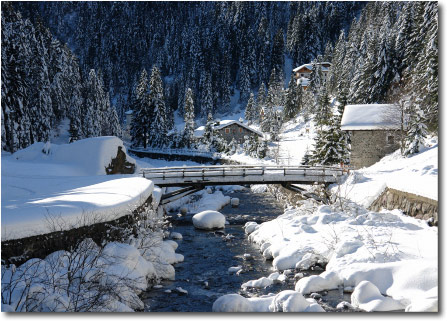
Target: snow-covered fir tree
{"type": "Point", "coordinates": [250, 109]}
{"type": "Point", "coordinates": [142, 114]}
{"type": "Point", "coordinates": [188, 131]}
{"type": "Point", "coordinates": [416, 132]}
{"type": "Point", "coordinates": [293, 101]}
{"type": "Point", "coordinates": [260, 103]}
{"type": "Point", "coordinates": [158, 122]}
{"type": "Point", "coordinates": [331, 145]}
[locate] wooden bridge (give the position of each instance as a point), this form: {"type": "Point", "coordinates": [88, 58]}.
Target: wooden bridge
{"type": "Point", "coordinates": [195, 178]}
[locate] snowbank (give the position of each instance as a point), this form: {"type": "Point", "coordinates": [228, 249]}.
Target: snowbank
{"type": "Point", "coordinates": [213, 202]}
{"type": "Point", "coordinates": [65, 188]}
{"type": "Point", "coordinates": [397, 254]}
{"type": "Point", "coordinates": [123, 270]}
{"type": "Point", "coordinates": [209, 220]}
{"type": "Point", "coordinates": [417, 174]}
{"type": "Point", "coordinates": [285, 301]}
{"type": "Point", "coordinates": [85, 157]}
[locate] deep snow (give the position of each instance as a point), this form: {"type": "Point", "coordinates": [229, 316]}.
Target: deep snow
{"type": "Point", "coordinates": [65, 188]}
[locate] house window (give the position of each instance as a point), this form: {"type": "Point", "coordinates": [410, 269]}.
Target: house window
{"type": "Point", "coordinates": [240, 130]}
{"type": "Point", "coordinates": [227, 130]}
{"type": "Point", "coordinates": [234, 131]}
{"type": "Point", "coordinates": [390, 140]}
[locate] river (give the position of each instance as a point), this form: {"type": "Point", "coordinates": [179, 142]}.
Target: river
{"type": "Point", "coordinates": [208, 255]}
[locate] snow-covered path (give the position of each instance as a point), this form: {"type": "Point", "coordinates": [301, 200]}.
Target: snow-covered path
{"type": "Point", "coordinates": [295, 139]}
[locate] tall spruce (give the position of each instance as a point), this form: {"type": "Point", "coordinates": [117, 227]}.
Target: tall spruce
{"type": "Point", "coordinates": [158, 121]}
{"type": "Point", "coordinates": [188, 131]}
{"type": "Point", "coordinates": [142, 115]}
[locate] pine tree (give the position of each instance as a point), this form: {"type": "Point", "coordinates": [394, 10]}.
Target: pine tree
{"type": "Point", "coordinates": [73, 131]}
{"type": "Point", "coordinates": [330, 145]}
{"type": "Point", "coordinates": [207, 98]}
{"type": "Point", "coordinates": [323, 112]}
{"type": "Point", "coordinates": [293, 101]}
{"type": "Point", "coordinates": [278, 57]}
{"type": "Point", "coordinates": [260, 103]}
{"type": "Point", "coordinates": [188, 132]}
{"type": "Point", "coordinates": [208, 133]}
{"type": "Point", "coordinates": [250, 109]}
{"type": "Point", "coordinates": [140, 126]}
{"type": "Point", "coordinates": [416, 132]}
{"type": "Point", "coordinates": [158, 122]}
{"type": "Point", "coordinates": [307, 157]}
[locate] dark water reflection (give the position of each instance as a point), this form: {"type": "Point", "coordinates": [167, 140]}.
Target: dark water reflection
{"type": "Point", "coordinates": [209, 254]}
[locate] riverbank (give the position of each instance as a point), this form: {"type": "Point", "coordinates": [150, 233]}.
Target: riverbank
{"type": "Point", "coordinates": [387, 260]}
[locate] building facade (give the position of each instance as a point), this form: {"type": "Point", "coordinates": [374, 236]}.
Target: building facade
{"type": "Point", "coordinates": [374, 131]}
{"type": "Point", "coordinates": [369, 146]}
{"type": "Point", "coordinates": [231, 130]}
{"type": "Point", "coordinates": [302, 73]}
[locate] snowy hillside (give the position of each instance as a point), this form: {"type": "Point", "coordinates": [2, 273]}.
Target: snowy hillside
{"type": "Point", "coordinates": [65, 187]}
{"type": "Point", "coordinates": [417, 174]}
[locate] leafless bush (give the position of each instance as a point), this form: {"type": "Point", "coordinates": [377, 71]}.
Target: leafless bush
{"type": "Point", "coordinates": [83, 280]}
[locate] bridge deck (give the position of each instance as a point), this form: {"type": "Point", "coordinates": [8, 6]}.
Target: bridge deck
{"type": "Point", "coordinates": [241, 174]}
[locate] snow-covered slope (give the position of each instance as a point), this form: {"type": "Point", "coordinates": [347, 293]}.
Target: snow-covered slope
{"type": "Point", "coordinates": [65, 187]}
{"type": "Point", "coordinates": [417, 174]}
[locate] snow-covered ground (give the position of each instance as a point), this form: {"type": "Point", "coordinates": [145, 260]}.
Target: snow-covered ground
{"type": "Point", "coordinates": [387, 259]}
{"type": "Point", "coordinates": [397, 255]}
{"type": "Point", "coordinates": [66, 187]}
{"type": "Point", "coordinates": [417, 174]}
{"type": "Point", "coordinates": [48, 187]}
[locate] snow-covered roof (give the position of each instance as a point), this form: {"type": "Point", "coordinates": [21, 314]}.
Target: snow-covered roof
{"type": "Point", "coordinates": [309, 66]}
{"type": "Point", "coordinates": [224, 123]}
{"type": "Point", "coordinates": [370, 117]}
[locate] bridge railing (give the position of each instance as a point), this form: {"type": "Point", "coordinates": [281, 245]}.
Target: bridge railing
{"type": "Point", "coordinates": [268, 173]}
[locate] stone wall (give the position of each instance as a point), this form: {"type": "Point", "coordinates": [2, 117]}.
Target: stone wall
{"type": "Point", "coordinates": [39, 246]}
{"type": "Point", "coordinates": [235, 132]}
{"type": "Point", "coordinates": [369, 146]}
{"type": "Point", "coordinates": [413, 205]}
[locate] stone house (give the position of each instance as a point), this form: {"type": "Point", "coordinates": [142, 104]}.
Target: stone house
{"type": "Point", "coordinates": [374, 131]}
{"type": "Point", "coordinates": [231, 129]}
{"type": "Point", "coordinates": [302, 73]}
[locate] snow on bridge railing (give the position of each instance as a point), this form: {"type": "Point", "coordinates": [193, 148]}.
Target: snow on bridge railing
{"type": "Point", "coordinates": [183, 151]}
{"type": "Point", "coordinates": [242, 173]}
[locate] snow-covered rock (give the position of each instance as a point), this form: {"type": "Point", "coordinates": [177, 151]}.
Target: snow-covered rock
{"type": "Point", "coordinates": [259, 283]}
{"type": "Point", "coordinates": [176, 236]}
{"type": "Point", "coordinates": [209, 220]}
{"type": "Point", "coordinates": [235, 269]}
{"type": "Point", "coordinates": [367, 296]}
{"type": "Point", "coordinates": [234, 202]}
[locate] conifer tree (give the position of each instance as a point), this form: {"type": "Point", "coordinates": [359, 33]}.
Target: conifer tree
{"type": "Point", "coordinates": [330, 146]}
{"type": "Point", "coordinates": [250, 109]}
{"type": "Point", "coordinates": [73, 131]}
{"type": "Point", "coordinates": [158, 122]}
{"type": "Point", "coordinates": [188, 131]}
{"type": "Point", "coordinates": [208, 133]}
{"type": "Point", "coordinates": [260, 103]}
{"type": "Point", "coordinates": [416, 132]}
{"type": "Point", "coordinates": [141, 119]}
{"type": "Point", "coordinates": [207, 98]}
{"type": "Point", "coordinates": [323, 112]}
{"type": "Point", "coordinates": [293, 101]}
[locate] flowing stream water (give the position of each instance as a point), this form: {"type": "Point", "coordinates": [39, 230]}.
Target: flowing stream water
{"type": "Point", "coordinates": [208, 255]}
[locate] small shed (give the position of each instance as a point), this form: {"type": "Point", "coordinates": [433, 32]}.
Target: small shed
{"type": "Point", "coordinates": [231, 129]}
{"type": "Point", "coordinates": [374, 130]}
